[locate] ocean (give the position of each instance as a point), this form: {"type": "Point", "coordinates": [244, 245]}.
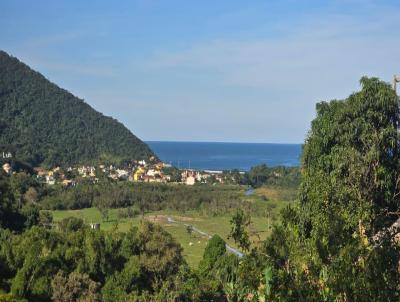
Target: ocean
{"type": "Point", "coordinates": [226, 156]}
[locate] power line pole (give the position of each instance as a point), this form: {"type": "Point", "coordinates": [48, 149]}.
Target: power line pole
{"type": "Point", "coordinates": [396, 79]}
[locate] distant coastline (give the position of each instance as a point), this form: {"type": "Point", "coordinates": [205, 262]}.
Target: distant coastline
{"type": "Point", "coordinates": [218, 156]}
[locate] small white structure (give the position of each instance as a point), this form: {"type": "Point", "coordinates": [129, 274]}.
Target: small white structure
{"type": "Point", "coordinates": [123, 174]}
{"type": "Point", "coordinates": [50, 180]}
{"type": "Point", "coordinates": [190, 180]}
{"type": "Point", "coordinates": [7, 168]}
{"type": "Point", "coordinates": [95, 226]}
{"type": "Point", "coordinates": [152, 172]}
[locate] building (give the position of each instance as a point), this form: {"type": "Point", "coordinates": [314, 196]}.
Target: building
{"type": "Point", "coordinates": [68, 183]}
{"type": "Point", "coordinates": [95, 226]}
{"type": "Point", "coordinates": [7, 168]}
{"type": "Point", "coordinates": [137, 176]}
{"type": "Point", "coordinates": [190, 180]}
{"type": "Point", "coordinates": [50, 179]}
{"type": "Point", "coordinates": [122, 174]}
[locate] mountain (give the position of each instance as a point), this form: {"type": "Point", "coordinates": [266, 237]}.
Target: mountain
{"type": "Point", "coordinates": [43, 124]}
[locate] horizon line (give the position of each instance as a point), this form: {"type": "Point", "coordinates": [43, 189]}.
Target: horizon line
{"type": "Point", "coordinates": [217, 142]}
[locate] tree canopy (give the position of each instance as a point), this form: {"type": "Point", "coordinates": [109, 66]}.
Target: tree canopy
{"type": "Point", "coordinates": [349, 193]}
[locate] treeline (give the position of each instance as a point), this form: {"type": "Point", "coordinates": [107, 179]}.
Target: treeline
{"type": "Point", "coordinates": [144, 197]}
{"type": "Point", "coordinates": [280, 176]}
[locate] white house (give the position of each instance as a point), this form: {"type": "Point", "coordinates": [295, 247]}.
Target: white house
{"type": "Point", "coordinates": [190, 180]}
{"type": "Point", "coordinates": [50, 180]}
{"type": "Point", "coordinates": [7, 168]}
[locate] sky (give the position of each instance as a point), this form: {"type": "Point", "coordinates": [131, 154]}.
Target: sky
{"type": "Point", "coordinates": [233, 71]}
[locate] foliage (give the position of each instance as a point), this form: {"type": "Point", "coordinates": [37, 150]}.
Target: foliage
{"type": "Point", "coordinates": [13, 213]}
{"type": "Point", "coordinates": [348, 194]}
{"type": "Point", "coordinates": [143, 197]}
{"type": "Point", "coordinates": [76, 263]}
{"type": "Point", "coordinates": [274, 176]}
{"type": "Point", "coordinates": [239, 223]}
{"type": "Point", "coordinates": [75, 287]}
{"type": "Point", "coordinates": [214, 250]}
{"type": "Point", "coordinates": [42, 124]}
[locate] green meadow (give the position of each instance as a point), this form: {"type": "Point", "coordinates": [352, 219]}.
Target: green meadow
{"type": "Point", "coordinates": [193, 244]}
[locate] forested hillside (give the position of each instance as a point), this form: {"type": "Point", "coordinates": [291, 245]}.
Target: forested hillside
{"type": "Point", "coordinates": [42, 124]}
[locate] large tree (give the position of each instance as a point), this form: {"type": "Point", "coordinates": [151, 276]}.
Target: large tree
{"type": "Point", "coordinates": [338, 247]}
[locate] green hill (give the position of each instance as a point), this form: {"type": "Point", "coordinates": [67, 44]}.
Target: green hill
{"type": "Point", "coordinates": [42, 124]}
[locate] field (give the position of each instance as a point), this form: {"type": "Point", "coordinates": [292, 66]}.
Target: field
{"type": "Point", "coordinates": [175, 223]}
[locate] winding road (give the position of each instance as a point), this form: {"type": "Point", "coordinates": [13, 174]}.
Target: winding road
{"type": "Point", "coordinates": [228, 247]}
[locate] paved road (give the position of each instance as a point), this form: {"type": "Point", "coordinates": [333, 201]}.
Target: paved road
{"type": "Point", "coordinates": [228, 247]}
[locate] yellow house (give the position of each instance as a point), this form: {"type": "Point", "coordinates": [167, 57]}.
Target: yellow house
{"type": "Point", "coordinates": [138, 174]}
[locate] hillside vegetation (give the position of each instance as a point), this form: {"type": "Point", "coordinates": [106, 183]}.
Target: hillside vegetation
{"type": "Point", "coordinates": [42, 124]}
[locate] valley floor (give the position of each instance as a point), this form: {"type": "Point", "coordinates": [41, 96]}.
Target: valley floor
{"type": "Point", "coordinates": [176, 223]}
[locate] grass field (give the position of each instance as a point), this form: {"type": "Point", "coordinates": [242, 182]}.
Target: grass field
{"type": "Point", "coordinates": [193, 244]}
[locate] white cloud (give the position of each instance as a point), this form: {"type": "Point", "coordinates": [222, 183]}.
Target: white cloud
{"type": "Point", "coordinates": [320, 53]}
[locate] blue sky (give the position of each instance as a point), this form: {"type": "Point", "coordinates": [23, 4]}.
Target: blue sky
{"type": "Point", "coordinates": [239, 71]}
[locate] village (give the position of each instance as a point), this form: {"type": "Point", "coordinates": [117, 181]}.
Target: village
{"type": "Point", "coordinates": [137, 171]}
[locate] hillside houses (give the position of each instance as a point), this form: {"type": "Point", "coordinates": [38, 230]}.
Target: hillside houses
{"type": "Point", "coordinates": [139, 171]}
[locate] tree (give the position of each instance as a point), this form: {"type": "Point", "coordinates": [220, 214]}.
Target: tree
{"type": "Point", "coordinates": [31, 213]}
{"type": "Point", "coordinates": [189, 229]}
{"type": "Point", "coordinates": [349, 193]}
{"type": "Point", "coordinates": [7, 298]}
{"type": "Point", "coordinates": [239, 222]}
{"type": "Point", "coordinates": [215, 249]}
{"type": "Point", "coordinates": [74, 287]}
{"type": "Point", "coordinates": [104, 213]}
{"type": "Point", "coordinates": [71, 224]}
{"type": "Point", "coordinates": [31, 195]}
{"type": "Point", "coordinates": [258, 175]}
{"type": "Point", "coordinates": [7, 208]}
{"type": "Point", "coordinates": [45, 218]}
{"type": "Point", "coordinates": [119, 286]}
{"type": "Point", "coordinates": [160, 255]}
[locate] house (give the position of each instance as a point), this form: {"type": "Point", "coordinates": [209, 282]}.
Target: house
{"type": "Point", "coordinates": [113, 176]}
{"type": "Point", "coordinates": [7, 168]}
{"type": "Point", "coordinates": [148, 178]}
{"type": "Point", "coordinates": [190, 180]}
{"type": "Point", "coordinates": [159, 178]}
{"type": "Point", "coordinates": [138, 174]}
{"type": "Point", "coordinates": [92, 172]}
{"type": "Point", "coordinates": [122, 174]}
{"type": "Point", "coordinates": [50, 179]}
{"type": "Point", "coordinates": [68, 183]}
{"type": "Point", "coordinates": [153, 172]}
